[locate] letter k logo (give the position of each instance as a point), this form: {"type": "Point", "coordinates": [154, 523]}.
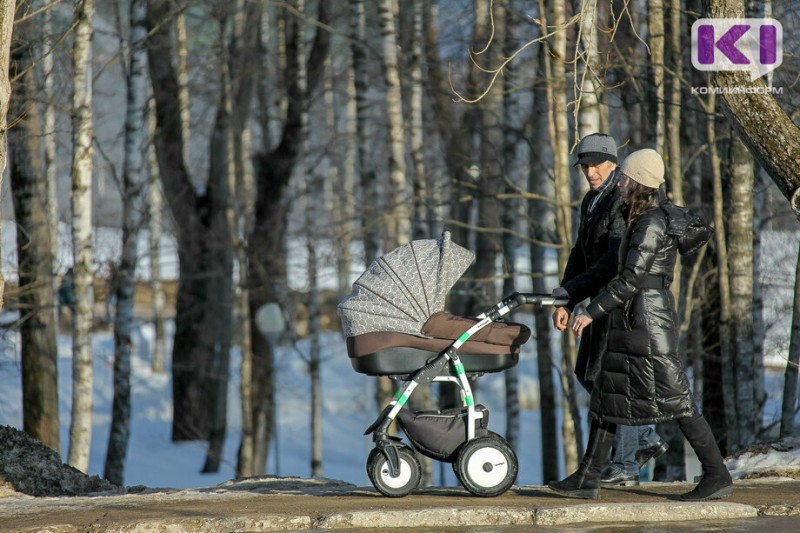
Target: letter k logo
{"type": "Point", "coordinates": [726, 44]}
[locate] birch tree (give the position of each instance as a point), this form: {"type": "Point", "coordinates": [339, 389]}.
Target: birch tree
{"type": "Point", "coordinates": [587, 80]}
{"type": "Point", "coordinates": [655, 43]}
{"type": "Point", "coordinates": [49, 122]}
{"type": "Point", "coordinates": [134, 196]}
{"type": "Point", "coordinates": [80, 431]}
{"type": "Point", "coordinates": [558, 132]}
{"type": "Point", "coordinates": [155, 218]}
{"type": "Point", "coordinates": [6, 30]}
{"type": "Point", "coordinates": [246, 48]}
{"type": "Point", "coordinates": [40, 416]}
{"type": "Point", "coordinates": [397, 219]}
{"type": "Point", "coordinates": [739, 218]}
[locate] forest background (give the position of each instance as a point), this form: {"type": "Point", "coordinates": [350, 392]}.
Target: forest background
{"type": "Point", "coordinates": [242, 129]}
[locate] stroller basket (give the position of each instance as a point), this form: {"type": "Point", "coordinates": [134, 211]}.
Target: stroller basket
{"type": "Point", "coordinates": [440, 434]}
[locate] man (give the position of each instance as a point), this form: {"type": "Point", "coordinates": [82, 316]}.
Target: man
{"type": "Point", "coordinates": [591, 265]}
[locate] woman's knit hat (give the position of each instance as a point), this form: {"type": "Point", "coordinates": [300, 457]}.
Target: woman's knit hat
{"type": "Point", "coordinates": [645, 167]}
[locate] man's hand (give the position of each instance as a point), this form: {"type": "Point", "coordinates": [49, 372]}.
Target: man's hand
{"type": "Point", "coordinates": [560, 318]}
{"type": "Point", "coordinates": [581, 321]}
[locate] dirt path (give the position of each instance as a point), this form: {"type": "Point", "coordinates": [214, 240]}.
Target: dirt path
{"type": "Point", "coordinates": [270, 504]}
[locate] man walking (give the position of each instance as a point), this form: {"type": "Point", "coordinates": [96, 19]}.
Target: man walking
{"type": "Point", "coordinates": [591, 265]}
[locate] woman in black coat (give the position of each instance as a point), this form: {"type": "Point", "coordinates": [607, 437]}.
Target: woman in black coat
{"type": "Point", "coordinates": [642, 379]}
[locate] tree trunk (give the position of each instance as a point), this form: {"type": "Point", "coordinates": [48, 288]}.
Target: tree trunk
{"type": "Point", "coordinates": [715, 405]}
{"type": "Point", "coordinates": [509, 216]}
{"type": "Point", "coordinates": [347, 188]}
{"type": "Point", "coordinates": [398, 228]}
{"type": "Point", "coordinates": [559, 135]}
{"type": "Point", "coordinates": [6, 29]}
{"type": "Point", "coordinates": [397, 217]}
{"type": "Point", "coordinates": [49, 124]}
{"type": "Point", "coordinates": [221, 184]}
{"type": "Point", "coordinates": [420, 189]}
{"type": "Point", "coordinates": [655, 42]}
{"type": "Point", "coordinates": [246, 50]}
{"type": "Point", "coordinates": [672, 466]}
{"type": "Point", "coordinates": [202, 323]}
{"type": "Point", "coordinates": [790, 377]}
{"type": "Point", "coordinates": [458, 133]}
{"type": "Point", "coordinates": [182, 71]}
{"type": "Point", "coordinates": [266, 243]}
{"type": "Point", "coordinates": [542, 219]}
{"type": "Point", "coordinates": [739, 215]}
{"type": "Point", "coordinates": [370, 205]}
{"type": "Point", "coordinates": [133, 207]}
{"type": "Point", "coordinates": [488, 243]}
{"type": "Point", "coordinates": [155, 215]}
{"type": "Point", "coordinates": [40, 417]}
{"type": "Point", "coordinates": [589, 98]}
{"type": "Point", "coordinates": [756, 116]}
{"type": "Point", "coordinates": [80, 430]}
{"type": "Point", "coordinates": [726, 347]}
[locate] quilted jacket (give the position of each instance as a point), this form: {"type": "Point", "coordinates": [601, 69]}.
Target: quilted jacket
{"type": "Point", "coordinates": [642, 380]}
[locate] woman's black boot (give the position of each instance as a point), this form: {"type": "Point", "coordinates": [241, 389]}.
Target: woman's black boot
{"type": "Point", "coordinates": [585, 482]}
{"type": "Point", "coordinates": [716, 481]}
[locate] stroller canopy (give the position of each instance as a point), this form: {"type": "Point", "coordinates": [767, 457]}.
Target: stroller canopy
{"type": "Point", "coordinates": [401, 289]}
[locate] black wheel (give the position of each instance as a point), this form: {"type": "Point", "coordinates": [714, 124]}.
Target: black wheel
{"type": "Point", "coordinates": [380, 473]}
{"type": "Point", "coordinates": [487, 466]}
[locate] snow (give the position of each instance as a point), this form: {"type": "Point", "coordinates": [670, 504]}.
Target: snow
{"type": "Point", "coordinates": [154, 461]}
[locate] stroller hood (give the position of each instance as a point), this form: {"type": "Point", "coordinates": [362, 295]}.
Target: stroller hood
{"type": "Point", "coordinates": [400, 290]}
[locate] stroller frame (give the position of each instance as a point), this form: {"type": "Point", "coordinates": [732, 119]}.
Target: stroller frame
{"type": "Point", "coordinates": [475, 455]}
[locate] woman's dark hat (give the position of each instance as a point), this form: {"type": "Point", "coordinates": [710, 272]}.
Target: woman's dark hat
{"type": "Point", "coordinates": [596, 148]}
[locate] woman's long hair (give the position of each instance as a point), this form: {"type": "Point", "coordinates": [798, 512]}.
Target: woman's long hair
{"type": "Point", "coordinates": [640, 199]}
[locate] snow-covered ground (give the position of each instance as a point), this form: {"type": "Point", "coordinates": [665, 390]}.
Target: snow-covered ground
{"type": "Point", "coordinates": [153, 460]}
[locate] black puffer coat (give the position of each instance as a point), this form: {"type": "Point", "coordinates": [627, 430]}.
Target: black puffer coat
{"type": "Point", "coordinates": [592, 263]}
{"type": "Point", "coordinates": [642, 379]}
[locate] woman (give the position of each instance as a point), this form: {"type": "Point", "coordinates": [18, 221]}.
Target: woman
{"type": "Point", "coordinates": [642, 379]}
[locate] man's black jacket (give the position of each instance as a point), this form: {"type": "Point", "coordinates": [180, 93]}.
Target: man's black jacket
{"type": "Point", "coordinates": [592, 264]}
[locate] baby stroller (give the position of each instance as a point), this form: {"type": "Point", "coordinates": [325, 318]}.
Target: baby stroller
{"type": "Point", "coordinates": [395, 326]}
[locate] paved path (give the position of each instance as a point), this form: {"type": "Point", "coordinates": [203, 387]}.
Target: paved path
{"type": "Point", "coordinates": [286, 504]}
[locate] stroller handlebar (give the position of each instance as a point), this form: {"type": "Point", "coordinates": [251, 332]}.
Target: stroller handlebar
{"type": "Point", "coordinates": [525, 298]}
{"type": "Point", "coordinates": [538, 299]}
{"type": "Point", "coordinates": [517, 299]}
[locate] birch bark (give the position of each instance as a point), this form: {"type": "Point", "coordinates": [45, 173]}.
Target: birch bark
{"type": "Point", "coordinates": [80, 431]}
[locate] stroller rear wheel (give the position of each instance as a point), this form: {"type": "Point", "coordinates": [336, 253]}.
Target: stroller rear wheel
{"type": "Point", "coordinates": [486, 466]}
{"type": "Point", "coordinates": [380, 472]}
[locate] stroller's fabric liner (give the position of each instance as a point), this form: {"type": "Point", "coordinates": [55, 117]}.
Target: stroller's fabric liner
{"type": "Point", "coordinates": [441, 329]}
{"type": "Point", "coordinates": [440, 434]}
{"type": "Point", "coordinates": [389, 353]}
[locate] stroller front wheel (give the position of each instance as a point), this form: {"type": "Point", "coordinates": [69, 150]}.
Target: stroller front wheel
{"type": "Point", "coordinates": [380, 472]}
{"type": "Point", "coordinates": [486, 466]}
